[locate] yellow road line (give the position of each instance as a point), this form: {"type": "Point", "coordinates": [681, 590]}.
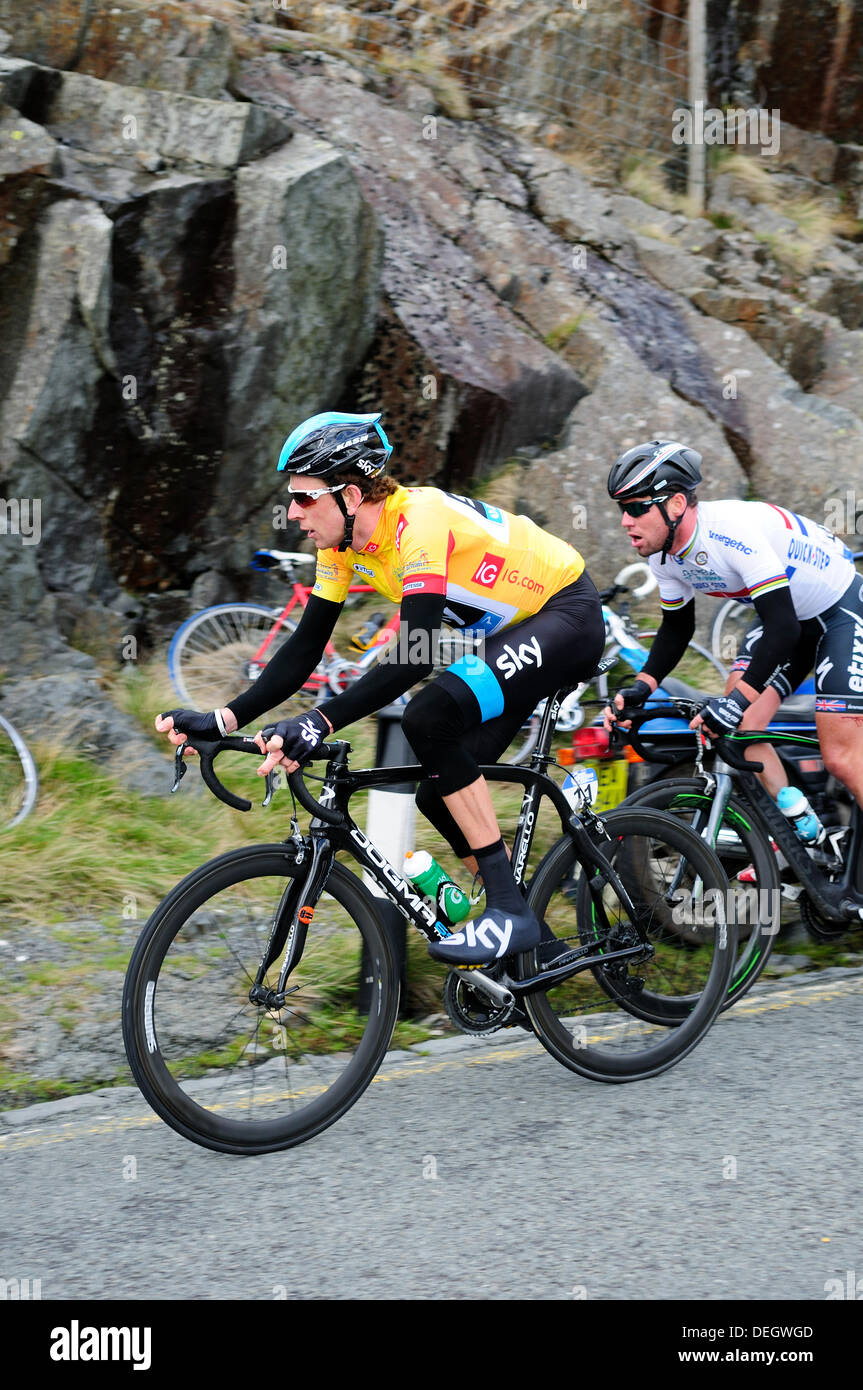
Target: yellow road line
{"type": "Point", "coordinates": [787, 998]}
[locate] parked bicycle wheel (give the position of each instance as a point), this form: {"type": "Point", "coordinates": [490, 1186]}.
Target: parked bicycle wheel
{"type": "Point", "coordinates": [741, 848]}
{"type": "Point", "coordinates": [210, 657]}
{"type": "Point", "coordinates": [19, 781]}
{"type": "Point", "coordinates": [238, 1076]}
{"type": "Point", "coordinates": [730, 626]}
{"type": "Point", "coordinates": [625, 1019]}
{"type": "Point", "coordinates": [525, 741]}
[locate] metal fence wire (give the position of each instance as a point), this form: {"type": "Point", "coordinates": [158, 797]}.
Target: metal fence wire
{"type": "Point", "coordinates": [608, 74]}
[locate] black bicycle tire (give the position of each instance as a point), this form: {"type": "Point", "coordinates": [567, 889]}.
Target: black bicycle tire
{"type": "Point", "coordinates": [194, 1122]}
{"type": "Point", "coordinates": [676, 1042]}
{"type": "Point", "coordinates": [754, 952]}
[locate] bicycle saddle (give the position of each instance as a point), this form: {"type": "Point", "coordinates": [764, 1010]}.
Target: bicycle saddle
{"type": "Point", "coordinates": [271, 559]}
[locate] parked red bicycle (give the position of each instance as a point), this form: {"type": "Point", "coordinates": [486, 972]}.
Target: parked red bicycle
{"type": "Point", "coordinates": [219, 650]}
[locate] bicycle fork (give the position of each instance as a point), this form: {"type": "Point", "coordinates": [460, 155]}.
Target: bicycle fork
{"type": "Point", "coordinates": [291, 923]}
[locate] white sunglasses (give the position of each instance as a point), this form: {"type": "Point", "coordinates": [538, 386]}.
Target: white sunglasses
{"type": "Point", "coordinates": [306, 499]}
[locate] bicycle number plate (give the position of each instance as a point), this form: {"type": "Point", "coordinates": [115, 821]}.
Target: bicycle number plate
{"type": "Point", "coordinates": [613, 782]}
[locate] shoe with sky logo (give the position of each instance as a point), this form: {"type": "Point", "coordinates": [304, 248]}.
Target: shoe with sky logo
{"type": "Point", "coordinates": [495, 934]}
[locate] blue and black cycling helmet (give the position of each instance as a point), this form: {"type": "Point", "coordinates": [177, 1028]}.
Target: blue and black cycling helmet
{"type": "Point", "coordinates": [334, 443]}
{"type": "Point", "coordinates": [657, 469]}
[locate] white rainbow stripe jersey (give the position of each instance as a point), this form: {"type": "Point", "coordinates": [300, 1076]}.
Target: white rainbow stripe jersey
{"type": "Point", "coordinates": [745, 549]}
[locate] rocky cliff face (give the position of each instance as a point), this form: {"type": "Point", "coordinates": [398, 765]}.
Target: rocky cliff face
{"type": "Point", "coordinates": [213, 224]}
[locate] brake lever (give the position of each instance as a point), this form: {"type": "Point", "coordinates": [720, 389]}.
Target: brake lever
{"type": "Point", "coordinates": [180, 766]}
{"type": "Point", "coordinates": [273, 783]}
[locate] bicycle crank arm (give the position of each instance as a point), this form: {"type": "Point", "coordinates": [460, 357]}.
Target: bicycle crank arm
{"type": "Point", "coordinates": [578, 960]}
{"type": "Point", "coordinates": [486, 985]}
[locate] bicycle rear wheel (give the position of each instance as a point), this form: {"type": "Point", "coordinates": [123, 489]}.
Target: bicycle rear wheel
{"type": "Point", "coordinates": [233, 1075]}
{"type": "Point", "coordinates": [741, 846]}
{"type": "Point", "coordinates": [19, 781]}
{"type": "Point", "coordinates": [211, 656]}
{"type": "Point", "coordinates": [627, 1019]}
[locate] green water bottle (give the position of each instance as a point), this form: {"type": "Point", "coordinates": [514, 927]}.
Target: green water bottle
{"type": "Point", "coordinates": [435, 883]}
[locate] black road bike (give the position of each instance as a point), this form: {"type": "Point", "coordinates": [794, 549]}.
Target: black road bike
{"type": "Point", "coordinates": [727, 805]}
{"type": "Point", "coordinates": [262, 995]}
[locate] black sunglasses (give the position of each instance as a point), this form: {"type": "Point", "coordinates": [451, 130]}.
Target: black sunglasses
{"type": "Point", "coordinates": [642, 508]}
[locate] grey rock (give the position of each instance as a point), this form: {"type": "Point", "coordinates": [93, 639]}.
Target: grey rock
{"type": "Point", "coordinates": [50, 35]}
{"type": "Point", "coordinates": [486, 386]}
{"type": "Point", "coordinates": [16, 74]}
{"type": "Point", "coordinates": [51, 349]}
{"type": "Point", "coordinates": [572, 479]}
{"type": "Point", "coordinates": [787, 438]}
{"type": "Point", "coordinates": [166, 45]}
{"type": "Point", "coordinates": [307, 256]}
{"type": "Point", "coordinates": [672, 267]}
{"type": "Point", "coordinates": [141, 128]}
{"type": "Point", "coordinates": [27, 156]}
{"type": "Point", "coordinates": [74, 702]}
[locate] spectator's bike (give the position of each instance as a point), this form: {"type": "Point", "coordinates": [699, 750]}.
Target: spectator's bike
{"type": "Point", "coordinates": [262, 995]}
{"type": "Point", "coordinates": [19, 781]}
{"type": "Point", "coordinates": [217, 652]}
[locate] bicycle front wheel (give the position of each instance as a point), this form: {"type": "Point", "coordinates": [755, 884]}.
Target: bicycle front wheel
{"type": "Point", "coordinates": [624, 1019]}
{"type": "Point", "coordinates": [216, 653]}
{"type": "Point", "coordinates": [234, 1075]}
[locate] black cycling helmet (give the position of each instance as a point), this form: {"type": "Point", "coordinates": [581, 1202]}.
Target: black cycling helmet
{"type": "Point", "coordinates": [662, 466]}
{"type": "Point", "coordinates": [335, 442]}
{"type": "Point", "coordinates": [657, 469]}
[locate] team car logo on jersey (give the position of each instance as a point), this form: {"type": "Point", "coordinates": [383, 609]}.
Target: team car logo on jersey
{"type": "Point", "coordinates": [488, 570]}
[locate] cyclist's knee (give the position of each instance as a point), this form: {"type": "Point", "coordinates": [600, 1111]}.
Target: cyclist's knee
{"type": "Point", "coordinates": [842, 762]}
{"type": "Point", "coordinates": [432, 714]}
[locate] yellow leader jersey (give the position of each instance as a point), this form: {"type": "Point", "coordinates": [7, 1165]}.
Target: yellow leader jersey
{"type": "Point", "coordinates": [493, 568]}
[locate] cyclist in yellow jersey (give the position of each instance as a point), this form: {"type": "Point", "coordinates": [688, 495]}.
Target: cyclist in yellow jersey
{"type": "Point", "coordinates": [521, 593]}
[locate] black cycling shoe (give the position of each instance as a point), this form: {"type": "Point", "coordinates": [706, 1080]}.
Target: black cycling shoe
{"type": "Point", "coordinates": [496, 933]}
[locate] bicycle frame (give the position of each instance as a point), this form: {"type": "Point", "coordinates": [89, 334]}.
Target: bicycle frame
{"type": "Point", "coordinates": [326, 839]}
{"type": "Point", "coordinates": [776, 824]}
{"type": "Point", "coordinates": [300, 594]}
{"type": "Point", "coordinates": [754, 796]}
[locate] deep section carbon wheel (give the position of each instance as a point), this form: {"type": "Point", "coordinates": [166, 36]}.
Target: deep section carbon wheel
{"type": "Point", "coordinates": [649, 994]}
{"type": "Point", "coordinates": [244, 1076]}
{"type": "Point", "coordinates": [743, 848]}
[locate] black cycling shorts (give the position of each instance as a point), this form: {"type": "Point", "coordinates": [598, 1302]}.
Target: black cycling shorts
{"type": "Point", "coordinates": [472, 711]}
{"type": "Point", "coordinates": [832, 644]}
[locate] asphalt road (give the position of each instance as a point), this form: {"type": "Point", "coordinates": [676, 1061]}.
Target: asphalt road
{"type": "Point", "coordinates": [483, 1170]}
